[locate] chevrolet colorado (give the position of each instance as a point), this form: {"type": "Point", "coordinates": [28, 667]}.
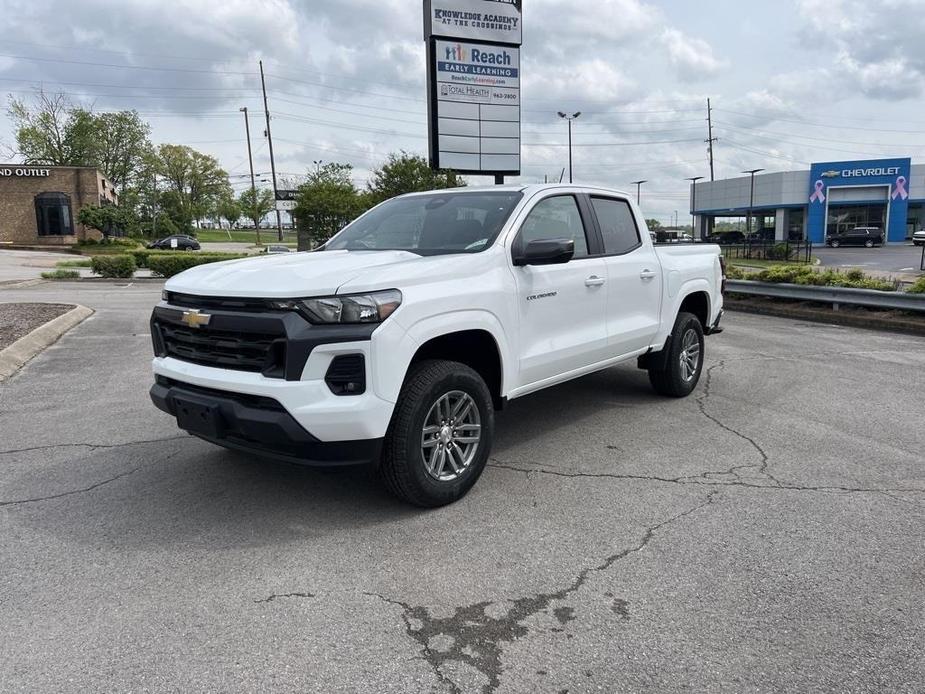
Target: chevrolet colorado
{"type": "Point", "coordinates": [395, 342]}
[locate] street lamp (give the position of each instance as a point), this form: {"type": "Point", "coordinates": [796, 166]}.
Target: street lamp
{"type": "Point", "coordinates": [751, 200]}
{"type": "Point", "coordinates": [638, 185]}
{"type": "Point", "coordinates": [693, 180]}
{"type": "Point", "coordinates": [569, 118]}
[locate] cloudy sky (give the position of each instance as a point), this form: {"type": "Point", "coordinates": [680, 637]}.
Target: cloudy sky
{"type": "Point", "coordinates": [791, 81]}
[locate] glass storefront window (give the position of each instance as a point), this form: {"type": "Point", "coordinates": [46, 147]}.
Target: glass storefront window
{"type": "Point", "coordinates": [846, 217]}
{"type": "Point", "coordinates": [53, 214]}
{"type": "Point", "coordinates": [795, 221]}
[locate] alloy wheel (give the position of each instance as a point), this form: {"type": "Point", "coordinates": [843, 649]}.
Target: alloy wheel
{"type": "Point", "coordinates": [450, 436]}
{"type": "Point", "coordinates": [690, 355]}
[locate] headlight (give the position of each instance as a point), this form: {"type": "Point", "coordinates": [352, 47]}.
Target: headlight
{"type": "Point", "coordinates": [358, 308]}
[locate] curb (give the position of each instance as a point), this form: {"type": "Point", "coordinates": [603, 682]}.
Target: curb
{"type": "Point", "coordinates": [881, 323]}
{"type": "Point", "coordinates": [19, 353]}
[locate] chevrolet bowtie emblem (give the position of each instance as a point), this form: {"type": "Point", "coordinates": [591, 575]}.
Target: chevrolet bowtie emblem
{"type": "Point", "coordinates": [194, 319]}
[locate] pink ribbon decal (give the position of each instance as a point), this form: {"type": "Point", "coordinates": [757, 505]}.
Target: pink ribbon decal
{"type": "Point", "coordinates": [900, 190]}
{"type": "Point", "coordinates": [818, 196]}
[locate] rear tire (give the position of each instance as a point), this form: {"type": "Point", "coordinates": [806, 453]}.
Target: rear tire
{"type": "Point", "coordinates": [684, 360]}
{"type": "Point", "coordinates": [835, 244]}
{"type": "Point", "coordinates": [868, 244]}
{"type": "Point", "coordinates": [437, 391]}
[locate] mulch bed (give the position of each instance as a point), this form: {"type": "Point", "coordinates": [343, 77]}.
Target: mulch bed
{"type": "Point", "coordinates": [18, 320]}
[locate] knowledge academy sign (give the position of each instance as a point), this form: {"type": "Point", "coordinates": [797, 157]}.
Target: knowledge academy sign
{"type": "Point", "coordinates": [477, 20]}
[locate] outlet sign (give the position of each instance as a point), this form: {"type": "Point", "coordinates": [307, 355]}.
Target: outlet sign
{"type": "Point", "coordinates": [24, 172]}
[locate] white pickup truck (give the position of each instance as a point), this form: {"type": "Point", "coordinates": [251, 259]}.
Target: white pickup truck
{"type": "Point", "coordinates": [395, 342]}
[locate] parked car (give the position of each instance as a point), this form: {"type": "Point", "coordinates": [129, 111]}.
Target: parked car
{"type": "Point", "coordinates": [180, 242]}
{"type": "Point", "coordinates": [725, 238]}
{"type": "Point", "coordinates": [396, 342]}
{"type": "Point", "coordinates": [278, 249]}
{"type": "Point", "coordinates": [859, 236]}
{"type": "Point", "coordinates": [918, 238]}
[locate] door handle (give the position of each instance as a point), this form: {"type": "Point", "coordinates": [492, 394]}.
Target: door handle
{"type": "Point", "coordinates": [648, 275]}
{"type": "Point", "coordinates": [594, 281]}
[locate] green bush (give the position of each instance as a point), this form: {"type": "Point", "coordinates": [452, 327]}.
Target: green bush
{"type": "Point", "coordinates": [780, 251]}
{"type": "Point", "coordinates": [61, 275]}
{"type": "Point", "coordinates": [113, 265]}
{"type": "Point", "coordinates": [918, 287]}
{"type": "Point", "coordinates": [170, 264]}
{"type": "Point", "coordinates": [807, 276]}
{"type": "Point", "coordinates": [736, 273]}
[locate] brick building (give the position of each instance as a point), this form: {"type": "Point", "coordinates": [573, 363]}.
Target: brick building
{"type": "Point", "coordinates": [39, 204]}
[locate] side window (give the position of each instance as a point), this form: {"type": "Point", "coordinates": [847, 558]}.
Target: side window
{"type": "Point", "coordinates": [617, 225]}
{"type": "Point", "coordinates": [556, 218]}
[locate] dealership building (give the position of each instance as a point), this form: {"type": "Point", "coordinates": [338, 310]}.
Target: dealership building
{"type": "Point", "coordinates": [828, 198]}
{"type": "Point", "coordinates": [39, 204]}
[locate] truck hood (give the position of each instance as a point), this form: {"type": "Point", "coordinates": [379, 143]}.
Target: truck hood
{"type": "Point", "coordinates": [286, 275]}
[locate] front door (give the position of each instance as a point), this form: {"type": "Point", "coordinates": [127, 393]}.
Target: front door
{"type": "Point", "coordinates": [634, 279]}
{"type": "Point", "coordinates": [561, 307]}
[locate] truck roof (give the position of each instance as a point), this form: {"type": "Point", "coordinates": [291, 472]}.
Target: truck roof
{"type": "Point", "coordinates": [523, 188]}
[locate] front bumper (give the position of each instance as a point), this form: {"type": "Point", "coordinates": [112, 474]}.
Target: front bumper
{"type": "Point", "coordinates": [254, 424]}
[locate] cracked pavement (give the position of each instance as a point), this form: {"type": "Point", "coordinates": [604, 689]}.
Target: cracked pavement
{"type": "Point", "coordinates": [765, 534]}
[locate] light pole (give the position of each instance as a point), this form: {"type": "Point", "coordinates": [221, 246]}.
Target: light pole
{"type": "Point", "coordinates": [250, 160]}
{"type": "Point", "coordinates": [693, 180]}
{"type": "Point", "coordinates": [638, 185]}
{"type": "Point", "coordinates": [569, 118]}
{"type": "Point", "coordinates": [751, 200]}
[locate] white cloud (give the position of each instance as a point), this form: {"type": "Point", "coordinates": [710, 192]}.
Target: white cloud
{"type": "Point", "coordinates": [691, 57]}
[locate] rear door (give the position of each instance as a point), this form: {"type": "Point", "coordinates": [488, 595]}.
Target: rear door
{"type": "Point", "coordinates": [634, 277]}
{"type": "Point", "coordinates": [561, 307]}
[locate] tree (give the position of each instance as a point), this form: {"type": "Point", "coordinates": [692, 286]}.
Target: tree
{"type": "Point", "coordinates": [108, 219]}
{"type": "Point", "coordinates": [408, 173]}
{"type": "Point", "coordinates": [256, 207]}
{"type": "Point", "coordinates": [195, 182]}
{"type": "Point", "coordinates": [229, 209]}
{"type": "Point", "coordinates": [121, 146]}
{"type": "Point", "coordinates": [326, 203]}
{"type": "Point", "coordinates": [54, 131]}
{"type": "Point", "coordinates": [653, 224]}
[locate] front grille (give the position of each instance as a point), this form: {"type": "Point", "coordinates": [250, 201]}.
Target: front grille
{"type": "Point", "coordinates": [241, 351]}
{"type": "Point", "coordinates": [217, 302]}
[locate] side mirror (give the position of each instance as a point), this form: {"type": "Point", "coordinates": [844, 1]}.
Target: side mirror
{"type": "Point", "coordinates": [545, 252]}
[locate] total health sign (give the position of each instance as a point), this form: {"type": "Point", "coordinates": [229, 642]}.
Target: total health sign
{"type": "Point", "coordinates": [825, 178]}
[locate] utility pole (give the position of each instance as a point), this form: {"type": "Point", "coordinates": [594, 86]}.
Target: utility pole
{"type": "Point", "coordinates": [638, 185]}
{"type": "Point", "coordinates": [250, 160]}
{"type": "Point", "coordinates": [710, 139]}
{"type": "Point", "coordinates": [569, 118]}
{"type": "Point", "coordinates": [266, 109]}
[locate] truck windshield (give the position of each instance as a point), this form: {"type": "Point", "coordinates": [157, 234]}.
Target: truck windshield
{"type": "Point", "coordinates": [455, 222]}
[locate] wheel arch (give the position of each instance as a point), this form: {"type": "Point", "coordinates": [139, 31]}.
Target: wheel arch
{"type": "Point", "coordinates": [474, 347]}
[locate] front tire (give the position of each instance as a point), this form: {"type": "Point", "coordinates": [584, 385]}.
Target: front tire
{"type": "Point", "coordinates": [440, 436]}
{"type": "Point", "coordinates": [835, 244]}
{"type": "Point", "coordinates": [685, 359]}
{"type": "Point", "coordinates": [868, 244]}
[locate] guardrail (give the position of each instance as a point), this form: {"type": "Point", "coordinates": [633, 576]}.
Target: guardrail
{"type": "Point", "coordinates": [830, 295]}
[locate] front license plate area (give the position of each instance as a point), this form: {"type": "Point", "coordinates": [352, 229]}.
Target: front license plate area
{"type": "Point", "coordinates": [198, 417]}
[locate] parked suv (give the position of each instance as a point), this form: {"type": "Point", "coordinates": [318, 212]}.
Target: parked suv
{"type": "Point", "coordinates": [180, 242]}
{"type": "Point", "coordinates": [859, 236]}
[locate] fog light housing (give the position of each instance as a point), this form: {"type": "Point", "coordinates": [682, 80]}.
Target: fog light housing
{"type": "Point", "coordinates": [347, 375]}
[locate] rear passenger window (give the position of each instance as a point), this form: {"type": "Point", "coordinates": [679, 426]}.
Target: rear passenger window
{"type": "Point", "coordinates": [617, 225]}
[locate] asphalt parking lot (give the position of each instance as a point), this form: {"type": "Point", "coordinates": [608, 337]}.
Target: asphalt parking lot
{"type": "Point", "coordinates": [890, 258]}
{"type": "Point", "coordinates": [763, 535]}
